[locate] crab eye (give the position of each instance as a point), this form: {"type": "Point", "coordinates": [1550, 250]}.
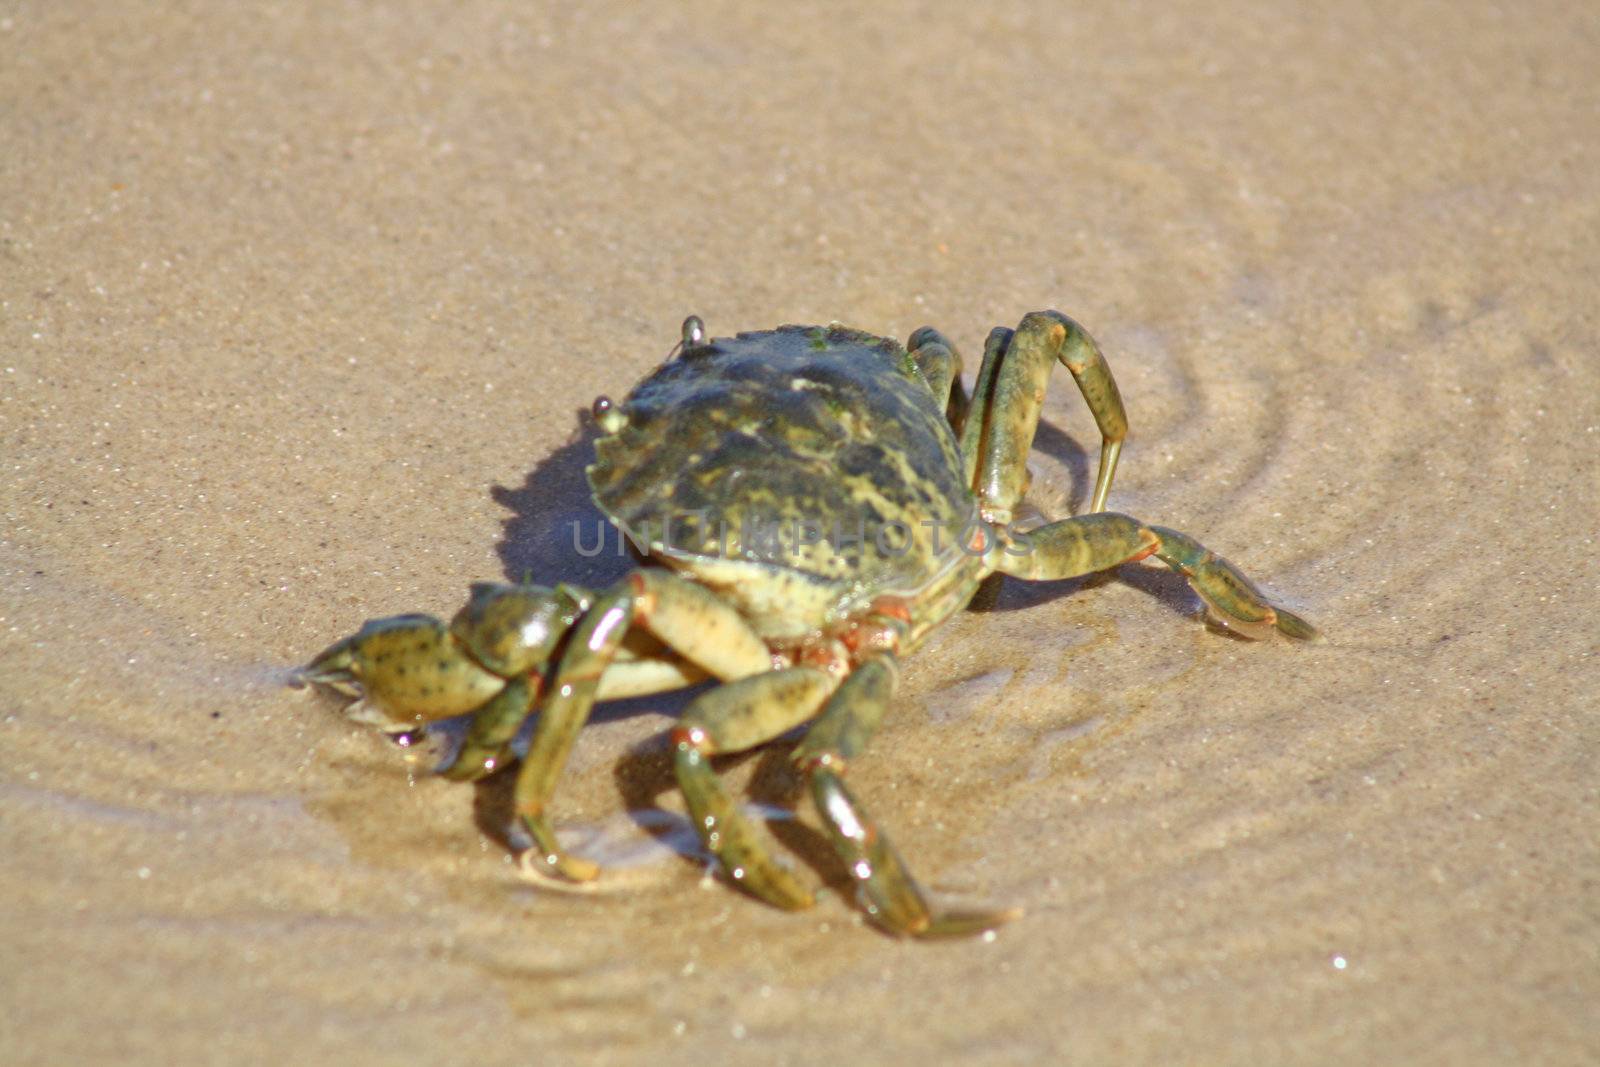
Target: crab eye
{"type": "Point", "coordinates": [608, 415]}
{"type": "Point", "coordinates": [694, 331]}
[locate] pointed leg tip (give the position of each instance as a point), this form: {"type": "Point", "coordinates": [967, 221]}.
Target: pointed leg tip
{"type": "Point", "coordinates": [800, 901]}
{"type": "Point", "coordinates": [1291, 625]}
{"type": "Point", "coordinates": [1227, 623]}
{"type": "Point", "coordinates": [966, 923]}
{"type": "Point", "coordinates": [776, 885]}
{"type": "Point", "coordinates": [456, 771]}
{"type": "Point", "coordinates": [538, 865]}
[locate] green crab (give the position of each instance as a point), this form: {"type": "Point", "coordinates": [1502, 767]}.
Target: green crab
{"type": "Point", "coordinates": [811, 502]}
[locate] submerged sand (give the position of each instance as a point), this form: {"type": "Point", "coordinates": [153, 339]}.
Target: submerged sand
{"type": "Point", "coordinates": [298, 311]}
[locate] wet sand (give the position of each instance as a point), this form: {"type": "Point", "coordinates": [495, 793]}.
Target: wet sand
{"type": "Point", "coordinates": [298, 314]}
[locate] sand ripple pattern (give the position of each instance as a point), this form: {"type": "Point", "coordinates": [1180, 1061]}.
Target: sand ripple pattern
{"type": "Point", "coordinates": [283, 299]}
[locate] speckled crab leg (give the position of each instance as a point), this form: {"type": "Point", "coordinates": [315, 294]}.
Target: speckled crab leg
{"type": "Point", "coordinates": [889, 893]}
{"type": "Point", "coordinates": [974, 431]}
{"type": "Point", "coordinates": [940, 364]}
{"type": "Point", "coordinates": [487, 744]}
{"type": "Point", "coordinates": [733, 718]}
{"type": "Point", "coordinates": [1088, 543]}
{"type": "Point", "coordinates": [685, 617]}
{"type": "Point", "coordinates": [1009, 396]}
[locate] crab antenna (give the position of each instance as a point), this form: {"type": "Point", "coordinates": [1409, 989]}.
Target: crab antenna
{"type": "Point", "coordinates": [694, 331]}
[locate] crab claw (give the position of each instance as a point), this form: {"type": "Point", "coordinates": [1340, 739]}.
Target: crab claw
{"type": "Point", "coordinates": [408, 669]}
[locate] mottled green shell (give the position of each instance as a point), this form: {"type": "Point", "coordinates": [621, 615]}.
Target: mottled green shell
{"type": "Point", "coordinates": [797, 433]}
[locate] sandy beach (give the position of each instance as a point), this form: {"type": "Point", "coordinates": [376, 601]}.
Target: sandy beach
{"type": "Point", "coordinates": [302, 308]}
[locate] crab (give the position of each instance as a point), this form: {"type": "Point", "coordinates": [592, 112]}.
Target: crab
{"type": "Point", "coordinates": [809, 503]}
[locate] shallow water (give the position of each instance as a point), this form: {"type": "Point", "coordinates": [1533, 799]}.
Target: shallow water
{"type": "Point", "coordinates": [298, 313]}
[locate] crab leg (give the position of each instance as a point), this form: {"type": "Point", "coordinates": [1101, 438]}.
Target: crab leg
{"type": "Point", "coordinates": [493, 726]}
{"type": "Point", "coordinates": [1088, 543]}
{"type": "Point", "coordinates": [890, 895]}
{"type": "Point", "coordinates": [1008, 399]}
{"type": "Point", "coordinates": [976, 428]}
{"type": "Point", "coordinates": [940, 364]}
{"type": "Point", "coordinates": [645, 677]}
{"type": "Point", "coordinates": [732, 718]}
{"type": "Point", "coordinates": [686, 618]}
{"type": "Point", "coordinates": [484, 750]}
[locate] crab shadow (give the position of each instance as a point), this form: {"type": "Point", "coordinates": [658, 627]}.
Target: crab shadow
{"type": "Point", "coordinates": [1064, 449]}
{"type": "Point", "coordinates": [645, 774]}
{"type": "Point", "coordinates": [554, 533]}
